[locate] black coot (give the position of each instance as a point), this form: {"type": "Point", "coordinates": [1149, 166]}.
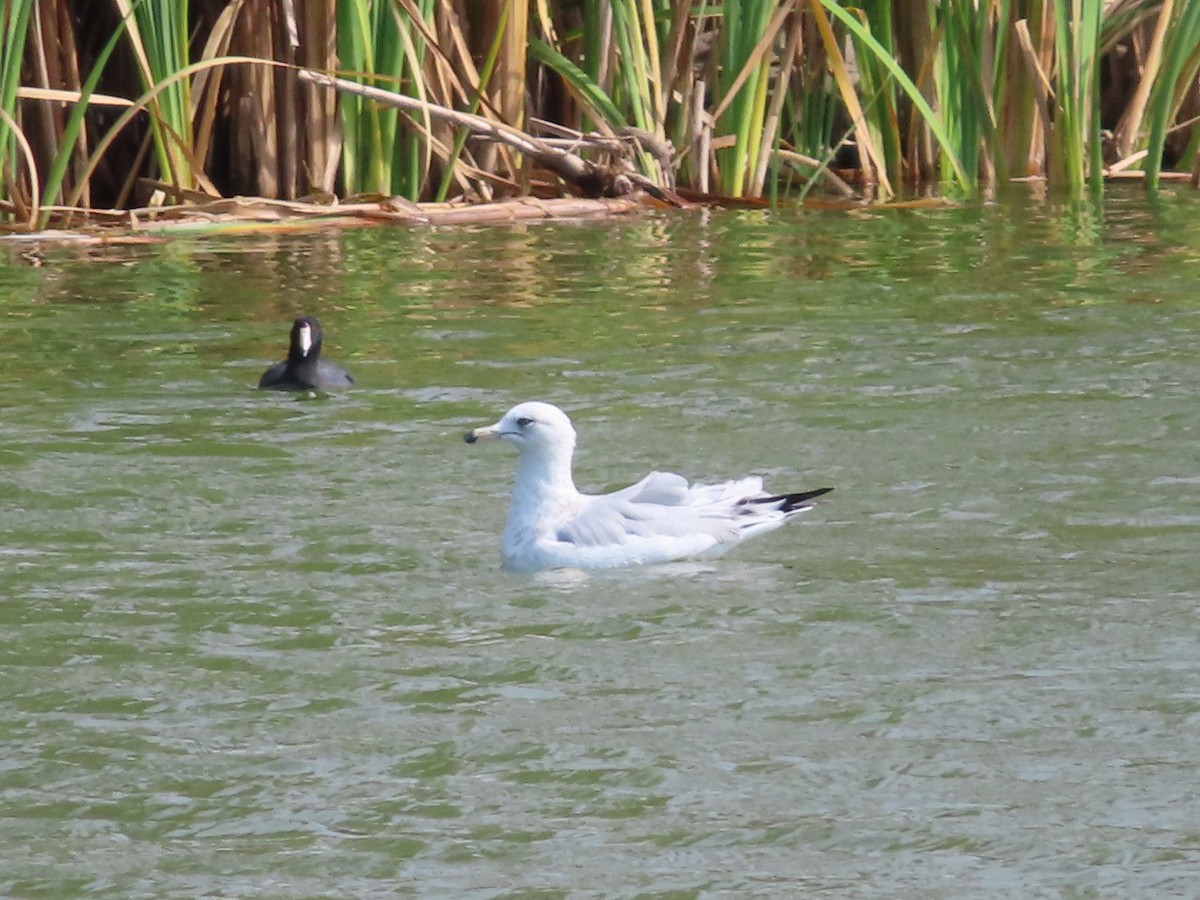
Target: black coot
{"type": "Point", "coordinates": [304, 370]}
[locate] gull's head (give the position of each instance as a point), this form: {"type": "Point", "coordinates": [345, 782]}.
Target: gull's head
{"type": "Point", "coordinates": [306, 334]}
{"type": "Point", "coordinates": [533, 426]}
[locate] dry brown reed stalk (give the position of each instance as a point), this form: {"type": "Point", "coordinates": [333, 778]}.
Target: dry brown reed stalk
{"type": "Point", "coordinates": [1130, 126]}
{"type": "Point", "coordinates": [283, 137]}
{"type": "Point", "coordinates": [54, 57]}
{"type": "Point", "coordinates": [457, 82]}
{"type": "Point", "coordinates": [778, 96]}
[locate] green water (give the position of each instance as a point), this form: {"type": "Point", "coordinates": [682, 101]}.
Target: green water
{"type": "Point", "coordinates": [259, 646]}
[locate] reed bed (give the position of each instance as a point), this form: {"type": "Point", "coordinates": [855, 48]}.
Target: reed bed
{"type": "Point", "coordinates": [132, 104]}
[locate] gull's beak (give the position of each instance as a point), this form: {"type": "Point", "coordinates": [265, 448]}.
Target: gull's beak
{"type": "Point", "coordinates": [490, 433]}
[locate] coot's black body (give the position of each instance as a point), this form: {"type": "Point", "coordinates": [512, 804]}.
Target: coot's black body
{"type": "Point", "coordinates": [304, 370]}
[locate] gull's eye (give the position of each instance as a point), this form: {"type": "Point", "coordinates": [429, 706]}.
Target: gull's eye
{"type": "Point", "coordinates": [524, 421]}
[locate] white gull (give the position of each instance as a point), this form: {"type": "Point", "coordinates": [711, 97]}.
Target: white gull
{"type": "Point", "coordinates": [661, 518]}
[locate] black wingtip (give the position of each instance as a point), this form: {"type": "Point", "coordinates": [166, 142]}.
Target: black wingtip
{"type": "Point", "coordinates": [794, 502]}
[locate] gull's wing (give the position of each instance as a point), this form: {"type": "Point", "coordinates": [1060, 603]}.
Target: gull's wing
{"type": "Point", "coordinates": [662, 506]}
{"type": "Point", "coordinates": [666, 488]}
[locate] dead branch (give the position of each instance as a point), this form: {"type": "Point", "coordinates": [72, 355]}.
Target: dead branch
{"type": "Point", "coordinates": [589, 178]}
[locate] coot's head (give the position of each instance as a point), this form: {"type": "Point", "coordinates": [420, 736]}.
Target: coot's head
{"type": "Point", "coordinates": [306, 339]}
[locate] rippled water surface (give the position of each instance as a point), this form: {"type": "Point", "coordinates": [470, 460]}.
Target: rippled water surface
{"type": "Point", "coordinates": [254, 645]}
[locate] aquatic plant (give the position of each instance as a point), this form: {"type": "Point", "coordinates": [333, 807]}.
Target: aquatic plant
{"type": "Point", "coordinates": [124, 103]}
